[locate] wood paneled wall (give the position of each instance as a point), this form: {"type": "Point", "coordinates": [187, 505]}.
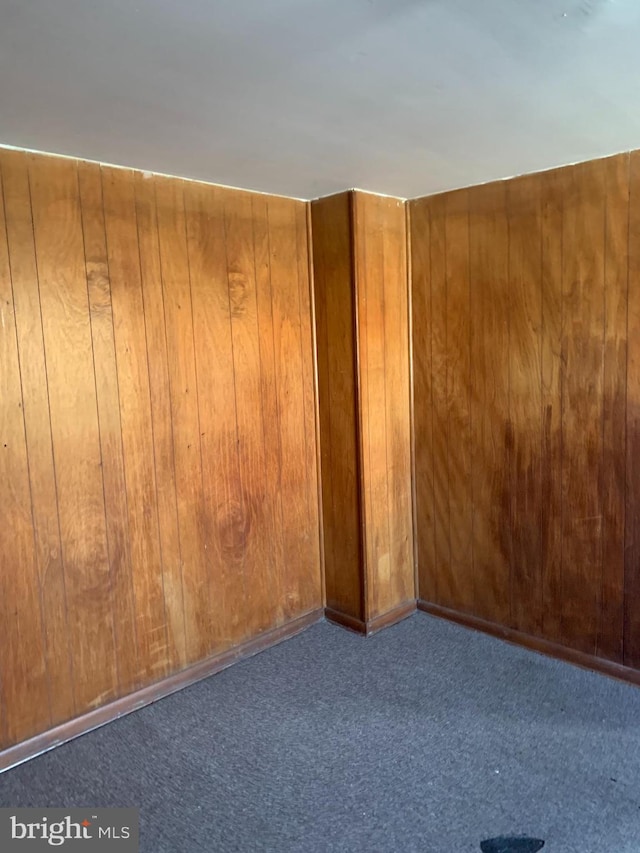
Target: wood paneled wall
{"type": "Point", "coordinates": [380, 265]}
{"type": "Point", "coordinates": [158, 477]}
{"type": "Point", "coordinates": [158, 458]}
{"type": "Point", "coordinates": [337, 381]}
{"type": "Point", "coordinates": [361, 292]}
{"type": "Point", "coordinates": [526, 348]}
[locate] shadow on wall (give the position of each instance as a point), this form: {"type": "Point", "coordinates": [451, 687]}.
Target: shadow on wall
{"type": "Point", "coordinates": [547, 531]}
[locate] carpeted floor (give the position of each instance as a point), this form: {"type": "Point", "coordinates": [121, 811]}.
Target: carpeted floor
{"type": "Point", "coordinates": [426, 737]}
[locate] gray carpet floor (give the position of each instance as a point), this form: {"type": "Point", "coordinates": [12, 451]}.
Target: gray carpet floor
{"type": "Point", "coordinates": [426, 737]}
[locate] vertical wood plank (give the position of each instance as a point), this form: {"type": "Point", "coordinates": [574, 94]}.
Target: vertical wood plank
{"type": "Point", "coordinates": [106, 375]}
{"type": "Point", "coordinates": [421, 320]}
{"type": "Point", "coordinates": [312, 596]}
{"type": "Point", "coordinates": [340, 453]}
{"type": "Point", "coordinates": [401, 587]}
{"type": "Point", "coordinates": [369, 248]}
{"type": "Point", "coordinates": [583, 303]}
{"type": "Point", "coordinates": [551, 190]}
{"type": "Point", "coordinates": [491, 428]}
{"type": "Point", "coordinates": [612, 463]}
{"type": "Point", "coordinates": [320, 225]}
{"type": "Point", "coordinates": [74, 426]}
{"type": "Point", "coordinates": [26, 301]}
{"type": "Point", "coordinates": [458, 403]}
{"type": "Point", "coordinates": [224, 519]}
{"type": "Point", "coordinates": [185, 416]}
{"type": "Point", "coordinates": [160, 393]}
{"type": "Point", "coordinates": [269, 396]}
{"type": "Point", "coordinates": [632, 515]}
{"type": "Point", "coordinates": [24, 680]}
{"type": "Point", "coordinates": [238, 222]}
{"type": "Point", "coordinates": [525, 384]}
{"type": "Point", "coordinates": [136, 425]}
{"type": "Point", "coordinates": [288, 344]}
{"type": "Point", "coordinates": [445, 581]}
{"type": "Point", "coordinates": [358, 282]}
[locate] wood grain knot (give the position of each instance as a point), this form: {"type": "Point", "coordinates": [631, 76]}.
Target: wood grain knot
{"type": "Point", "coordinates": [238, 294]}
{"type": "Point", "coordinates": [234, 525]}
{"type": "Point", "coordinates": [99, 290]}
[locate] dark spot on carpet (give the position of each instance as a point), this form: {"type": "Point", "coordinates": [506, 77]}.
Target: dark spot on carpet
{"type": "Point", "coordinates": [511, 845]}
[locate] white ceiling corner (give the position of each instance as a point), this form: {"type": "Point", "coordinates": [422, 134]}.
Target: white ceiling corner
{"type": "Point", "coordinates": [308, 97]}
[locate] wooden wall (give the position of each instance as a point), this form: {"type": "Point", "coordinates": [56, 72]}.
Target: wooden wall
{"type": "Point", "coordinates": [526, 348]}
{"type": "Point", "coordinates": [337, 381]}
{"type": "Point", "coordinates": [361, 292]}
{"type": "Point", "coordinates": [158, 478]}
{"type": "Point", "coordinates": [380, 239]}
{"type": "Point", "coordinates": [158, 458]}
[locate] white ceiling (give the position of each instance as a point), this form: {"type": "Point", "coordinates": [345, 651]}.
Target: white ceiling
{"type": "Point", "coordinates": [307, 97]}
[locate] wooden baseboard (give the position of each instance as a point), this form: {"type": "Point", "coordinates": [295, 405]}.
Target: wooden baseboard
{"type": "Point", "coordinates": [372, 626]}
{"type": "Point", "coordinates": [345, 621]}
{"type": "Point", "coordinates": [536, 644]}
{"type": "Point", "coordinates": [391, 617]}
{"type": "Point", "coordinates": [27, 749]}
